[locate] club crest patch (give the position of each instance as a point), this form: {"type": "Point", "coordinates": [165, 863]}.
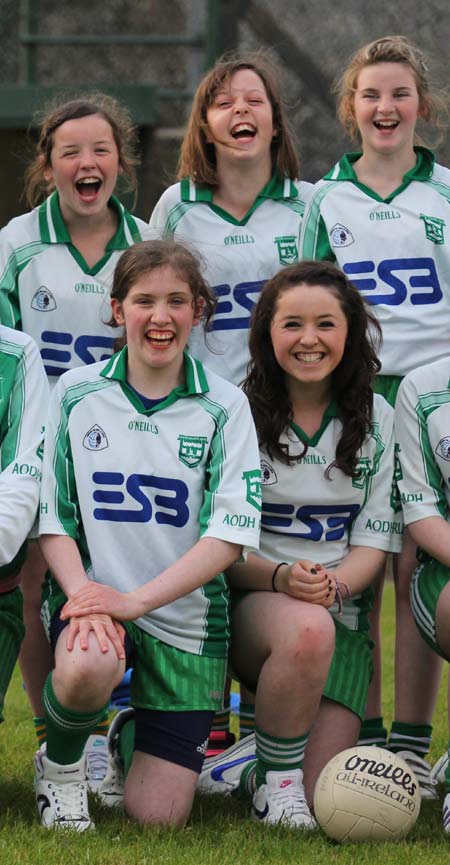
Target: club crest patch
{"type": "Point", "coordinates": [287, 249]}
{"type": "Point", "coordinates": [43, 300]}
{"type": "Point", "coordinates": [434, 228]}
{"type": "Point", "coordinates": [443, 448]}
{"type": "Point", "coordinates": [191, 450]}
{"type": "Point", "coordinates": [95, 439]}
{"type": "Point", "coordinates": [341, 236]}
{"type": "Point", "coordinates": [253, 481]}
{"type": "Point", "coordinates": [268, 474]}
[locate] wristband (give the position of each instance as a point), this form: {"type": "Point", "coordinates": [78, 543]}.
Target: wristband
{"type": "Point", "coordinates": [338, 595]}
{"type": "Point", "coordinates": [274, 589]}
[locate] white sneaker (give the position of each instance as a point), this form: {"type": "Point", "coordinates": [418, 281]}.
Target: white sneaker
{"type": "Point", "coordinates": [438, 770]}
{"type": "Point", "coordinates": [96, 753]}
{"type": "Point", "coordinates": [423, 773]}
{"type": "Point", "coordinates": [61, 793]}
{"type": "Point", "coordinates": [446, 814]}
{"type": "Point", "coordinates": [110, 790]}
{"type": "Point", "coordinates": [222, 774]}
{"type": "Point", "coordinates": [281, 800]}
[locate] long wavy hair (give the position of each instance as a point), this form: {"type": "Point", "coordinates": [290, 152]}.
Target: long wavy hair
{"type": "Point", "coordinates": [266, 385]}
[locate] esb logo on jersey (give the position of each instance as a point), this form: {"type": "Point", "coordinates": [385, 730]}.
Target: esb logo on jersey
{"type": "Point", "coordinates": [404, 277]}
{"type": "Point", "coordinates": [311, 522]}
{"type": "Point", "coordinates": [140, 498]}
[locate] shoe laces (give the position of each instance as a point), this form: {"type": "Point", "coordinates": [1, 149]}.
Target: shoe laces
{"type": "Point", "coordinates": [96, 763]}
{"type": "Point", "coordinates": [69, 800]}
{"type": "Point", "coordinates": [292, 800]}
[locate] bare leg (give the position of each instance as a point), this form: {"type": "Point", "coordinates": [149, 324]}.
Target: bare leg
{"type": "Point", "coordinates": [285, 647]}
{"type": "Point", "coordinates": [417, 667]}
{"type": "Point", "coordinates": [36, 657]}
{"type": "Point", "coordinates": [157, 791]}
{"type": "Point", "coordinates": [83, 679]}
{"type": "Point", "coordinates": [336, 728]}
{"type": "Point", "coordinates": [373, 708]}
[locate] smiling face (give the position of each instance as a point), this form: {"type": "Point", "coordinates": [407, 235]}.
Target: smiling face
{"type": "Point", "coordinates": [158, 314]}
{"type": "Point", "coordinates": [308, 332]}
{"type": "Point", "coordinates": [84, 166]}
{"type": "Point", "coordinates": [240, 120]}
{"type": "Point", "coordinates": [386, 107]}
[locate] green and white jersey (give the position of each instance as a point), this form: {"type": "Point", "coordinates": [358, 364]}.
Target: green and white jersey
{"type": "Point", "coordinates": [239, 257]}
{"type": "Point", "coordinates": [312, 510]}
{"type": "Point", "coordinates": [48, 290]}
{"type": "Point", "coordinates": [422, 426]}
{"type": "Point", "coordinates": [138, 487]}
{"type": "Point", "coordinates": [23, 403]}
{"type": "Point", "coordinates": [395, 250]}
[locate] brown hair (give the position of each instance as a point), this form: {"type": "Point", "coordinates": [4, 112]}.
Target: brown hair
{"type": "Point", "coordinates": [142, 258]}
{"type": "Point", "coordinates": [85, 105]}
{"type": "Point", "coordinates": [389, 49]}
{"type": "Point", "coordinates": [198, 158]}
{"type": "Point", "coordinates": [351, 385]}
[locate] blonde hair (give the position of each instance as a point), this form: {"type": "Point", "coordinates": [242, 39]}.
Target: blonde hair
{"type": "Point", "coordinates": [388, 49]}
{"type": "Point", "coordinates": [85, 105]}
{"type": "Point", "coordinates": [197, 157]}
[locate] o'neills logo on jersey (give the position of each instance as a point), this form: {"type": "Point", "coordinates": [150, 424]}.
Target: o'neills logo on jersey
{"type": "Point", "coordinates": [442, 449]}
{"type": "Point", "coordinates": [382, 215]}
{"type": "Point", "coordinates": [191, 450]}
{"type": "Point", "coordinates": [95, 439]}
{"type": "Point", "coordinates": [362, 772]}
{"type": "Point", "coordinates": [237, 239]}
{"type": "Point", "coordinates": [43, 300]}
{"type": "Point", "coordinates": [434, 228]}
{"type": "Point", "coordinates": [287, 249]}
{"type": "Point", "coordinates": [89, 288]}
{"type": "Point", "coordinates": [268, 475]}
{"type": "Point", "coordinates": [341, 236]}
{"type": "Point", "coordinates": [253, 482]}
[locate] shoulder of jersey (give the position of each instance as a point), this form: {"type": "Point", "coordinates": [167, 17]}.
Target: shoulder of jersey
{"type": "Point", "coordinates": [79, 374]}
{"type": "Point", "coordinates": [304, 188]}
{"type": "Point", "coordinates": [431, 376]}
{"type": "Point", "coordinates": [441, 173]}
{"type": "Point", "coordinates": [17, 337]}
{"type": "Point", "coordinates": [222, 390]}
{"type": "Point", "coordinates": [381, 407]}
{"type": "Point", "coordinates": [22, 229]}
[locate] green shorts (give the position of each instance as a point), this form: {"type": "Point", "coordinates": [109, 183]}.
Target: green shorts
{"type": "Point", "coordinates": [427, 582]}
{"type": "Point", "coordinates": [11, 635]}
{"type": "Point", "coordinates": [351, 669]}
{"type": "Point", "coordinates": [387, 386]}
{"type": "Point", "coordinates": [164, 677]}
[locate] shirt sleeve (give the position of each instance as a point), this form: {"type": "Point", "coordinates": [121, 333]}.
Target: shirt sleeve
{"type": "Point", "coordinates": [231, 509]}
{"type": "Point", "coordinates": [314, 240]}
{"type": "Point", "coordinates": [379, 523]}
{"type": "Point", "coordinates": [9, 291]}
{"type": "Point", "coordinates": [21, 452]}
{"type": "Point", "coordinates": [420, 481]}
{"type": "Point", "coordinates": [159, 218]}
{"type": "Point", "coordinates": [59, 511]}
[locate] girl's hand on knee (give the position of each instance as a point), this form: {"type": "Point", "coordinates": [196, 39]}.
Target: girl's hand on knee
{"type": "Point", "coordinates": [306, 581]}
{"type": "Point", "coordinates": [97, 599]}
{"type": "Point", "coordinates": [106, 630]}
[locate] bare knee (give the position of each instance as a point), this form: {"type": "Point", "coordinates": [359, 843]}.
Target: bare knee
{"type": "Point", "coordinates": [309, 641]}
{"type": "Point", "coordinates": [84, 678]}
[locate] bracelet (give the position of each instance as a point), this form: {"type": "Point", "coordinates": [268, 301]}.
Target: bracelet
{"type": "Point", "coordinates": [338, 595]}
{"type": "Point", "coordinates": [274, 589]}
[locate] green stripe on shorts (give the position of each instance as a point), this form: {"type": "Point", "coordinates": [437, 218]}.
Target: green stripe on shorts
{"type": "Point", "coordinates": [427, 583]}
{"type": "Point", "coordinates": [351, 669]}
{"type": "Point", "coordinates": [172, 680]}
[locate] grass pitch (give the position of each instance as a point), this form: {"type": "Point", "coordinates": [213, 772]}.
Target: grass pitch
{"type": "Point", "coordinates": [219, 832]}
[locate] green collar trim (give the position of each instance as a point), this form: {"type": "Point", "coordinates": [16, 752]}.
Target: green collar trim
{"type": "Point", "coordinates": [195, 381]}
{"type": "Point", "coordinates": [422, 170]}
{"type": "Point", "coordinates": [277, 189]}
{"type": "Point", "coordinates": [54, 230]}
{"type": "Point", "coordinates": [329, 413]}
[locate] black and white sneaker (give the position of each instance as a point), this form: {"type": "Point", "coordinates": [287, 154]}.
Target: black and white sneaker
{"type": "Point", "coordinates": [110, 791]}
{"type": "Point", "coordinates": [61, 793]}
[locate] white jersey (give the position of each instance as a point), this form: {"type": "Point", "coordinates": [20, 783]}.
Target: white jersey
{"type": "Point", "coordinates": [23, 403]}
{"type": "Point", "coordinates": [396, 251]}
{"type": "Point", "coordinates": [312, 510]}
{"type": "Point", "coordinates": [239, 257]}
{"type": "Point", "coordinates": [48, 290]}
{"type": "Point", "coordinates": [138, 487]}
{"type": "Point", "coordinates": [422, 424]}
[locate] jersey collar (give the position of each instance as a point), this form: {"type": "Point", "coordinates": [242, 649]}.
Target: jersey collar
{"type": "Point", "coordinates": [54, 230]}
{"type": "Point", "coordinates": [195, 381]}
{"type": "Point", "coordinates": [422, 170]}
{"type": "Point", "coordinates": [329, 413]}
{"type": "Point", "coordinates": [277, 188]}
